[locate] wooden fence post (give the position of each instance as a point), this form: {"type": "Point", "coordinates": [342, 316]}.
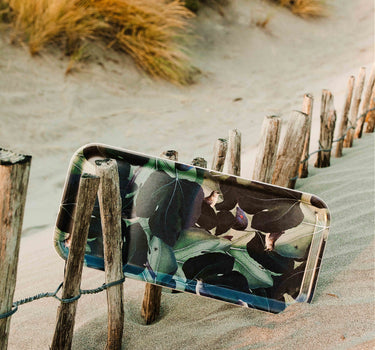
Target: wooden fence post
{"type": "Point", "coordinates": [152, 297]}
{"type": "Point", "coordinates": [171, 154]}
{"type": "Point", "coordinates": [307, 108]}
{"type": "Point", "coordinates": [370, 117]}
{"type": "Point", "coordinates": [365, 104]}
{"type": "Point", "coordinates": [267, 149]}
{"type": "Point", "coordinates": [220, 153]}
{"type": "Point", "coordinates": [345, 116]}
{"type": "Point", "coordinates": [234, 148]}
{"type": "Point", "coordinates": [14, 178]}
{"type": "Point", "coordinates": [348, 142]}
{"type": "Point", "coordinates": [110, 212]}
{"type": "Point", "coordinates": [290, 152]}
{"type": "Point", "coordinates": [86, 196]}
{"type": "Point", "coordinates": [200, 162]}
{"type": "Point", "coordinates": [327, 128]}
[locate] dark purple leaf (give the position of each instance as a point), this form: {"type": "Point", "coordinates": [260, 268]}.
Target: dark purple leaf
{"type": "Point", "coordinates": [268, 259]}
{"type": "Point", "coordinates": [241, 221]}
{"type": "Point", "coordinates": [136, 246]}
{"type": "Point", "coordinates": [232, 280]}
{"type": "Point", "coordinates": [225, 220]}
{"type": "Point", "coordinates": [172, 205]}
{"type": "Point", "coordinates": [202, 266]}
{"type": "Point", "coordinates": [282, 216]}
{"type": "Point", "coordinates": [207, 218]}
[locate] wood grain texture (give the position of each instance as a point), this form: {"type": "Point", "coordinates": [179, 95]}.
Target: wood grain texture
{"type": "Point", "coordinates": [267, 149]}
{"type": "Point", "coordinates": [357, 96]}
{"type": "Point", "coordinates": [290, 151]}
{"type": "Point", "coordinates": [220, 153]}
{"type": "Point", "coordinates": [370, 117]}
{"type": "Point", "coordinates": [345, 116]}
{"type": "Point", "coordinates": [110, 212]}
{"type": "Point", "coordinates": [199, 162]}
{"type": "Point", "coordinates": [365, 104]}
{"type": "Point", "coordinates": [14, 178]}
{"type": "Point", "coordinates": [66, 312]}
{"type": "Point", "coordinates": [234, 151]}
{"type": "Point", "coordinates": [307, 108]}
{"type": "Point", "coordinates": [327, 129]}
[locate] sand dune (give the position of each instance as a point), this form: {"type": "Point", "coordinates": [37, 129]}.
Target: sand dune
{"type": "Point", "coordinates": [49, 115]}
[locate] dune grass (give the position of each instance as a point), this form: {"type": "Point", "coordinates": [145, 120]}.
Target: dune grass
{"type": "Point", "coordinates": [152, 32]}
{"type": "Point", "coordinates": [305, 8]}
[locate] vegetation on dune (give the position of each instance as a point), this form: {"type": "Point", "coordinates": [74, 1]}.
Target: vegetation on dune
{"type": "Point", "coordinates": [305, 8]}
{"type": "Point", "coordinates": [148, 30]}
{"type": "Point", "coordinates": [195, 5]}
{"type": "Point", "coordinates": [152, 32]}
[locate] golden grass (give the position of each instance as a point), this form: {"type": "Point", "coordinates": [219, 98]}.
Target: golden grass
{"type": "Point", "coordinates": [42, 22]}
{"type": "Point", "coordinates": [305, 8]}
{"type": "Point", "coordinates": [148, 30]}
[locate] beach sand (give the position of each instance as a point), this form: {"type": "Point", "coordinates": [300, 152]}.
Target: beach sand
{"type": "Point", "coordinates": [248, 73]}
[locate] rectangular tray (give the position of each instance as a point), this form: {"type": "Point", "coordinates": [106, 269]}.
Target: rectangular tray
{"type": "Point", "coordinates": [200, 231]}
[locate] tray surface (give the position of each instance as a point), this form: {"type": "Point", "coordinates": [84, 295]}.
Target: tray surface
{"type": "Point", "coordinates": [204, 232]}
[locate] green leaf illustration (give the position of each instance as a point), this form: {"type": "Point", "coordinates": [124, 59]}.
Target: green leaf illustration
{"type": "Point", "coordinates": [161, 257]}
{"type": "Point", "coordinates": [257, 276]}
{"type": "Point", "coordinates": [295, 243]}
{"type": "Point", "coordinates": [194, 241]}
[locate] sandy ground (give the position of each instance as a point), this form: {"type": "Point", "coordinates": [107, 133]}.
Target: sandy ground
{"type": "Point", "coordinates": [49, 115]}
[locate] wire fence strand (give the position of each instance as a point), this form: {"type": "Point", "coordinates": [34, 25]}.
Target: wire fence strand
{"type": "Point", "coordinates": [105, 286]}
{"type": "Point", "coordinates": [102, 288]}
{"type": "Point", "coordinates": [337, 140]}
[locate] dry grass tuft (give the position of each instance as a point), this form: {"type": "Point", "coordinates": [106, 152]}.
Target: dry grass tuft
{"type": "Point", "coordinates": [305, 8]}
{"type": "Point", "coordinates": [62, 22]}
{"type": "Point", "coordinates": [150, 31]}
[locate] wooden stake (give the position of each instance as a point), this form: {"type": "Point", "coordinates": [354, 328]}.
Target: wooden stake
{"type": "Point", "coordinates": [88, 188]}
{"type": "Point", "coordinates": [171, 154]}
{"type": "Point", "coordinates": [290, 152]}
{"type": "Point", "coordinates": [14, 178]}
{"type": "Point", "coordinates": [307, 108]}
{"type": "Point", "coordinates": [199, 161]}
{"type": "Point", "coordinates": [370, 117]}
{"type": "Point", "coordinates": [345, 115]}
{"type": "Point", "coordinates": [152, 297]}
{"type": "Point", "coordinates": [365, 104]}
{"type": "Point", "coordinates": [348, 142]}
{"type": "Point", "coordinates": [267, 149]}
{"type": "Point", "coordinates": [327, 129]}
{"type": "Point", "coordinates": [110, 213]}
{"type": "Point", "coordinates": [234, 145]}
{"type": "Point", "coordinates": [220, 153]}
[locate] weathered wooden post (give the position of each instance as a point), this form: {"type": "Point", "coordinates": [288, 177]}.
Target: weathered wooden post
{"type": "Point", "coordinates": [327, 129]}
{"type": "Point", "coordinates": [220, 153]}
{"type": "Point", "coordinates": [234, 150]}
{"type": "Point", "coordinates": [170, 154]}
{"type": "Point", "coordinates": [200, 162]}
{"type": "Point", "coordinates": [307, 108]}
{"type": "Point", "coordinates": [348, 142]}
{"type": "Point", "coordinates": [110, 212]}
{"type": "Point", "coordinates": [290, 151]}
{"type": "Point", "coordinates": [66, 312]}
{"type": "Point", "coordinates": [267, 149]}
{"type": "Point", "coordinates": [345, 116]}
{"type": "Point", "coordinates": [370, 117]}
{"type": "Point", "coordinates": [365, 104]}
{"type": "Point", "coordinates": [14, 178]}
{"type": "Point", "coordinates": [152, 297]}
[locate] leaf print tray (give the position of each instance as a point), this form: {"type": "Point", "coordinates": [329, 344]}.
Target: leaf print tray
{"type": "Point", "coordinates": [204, 232]}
